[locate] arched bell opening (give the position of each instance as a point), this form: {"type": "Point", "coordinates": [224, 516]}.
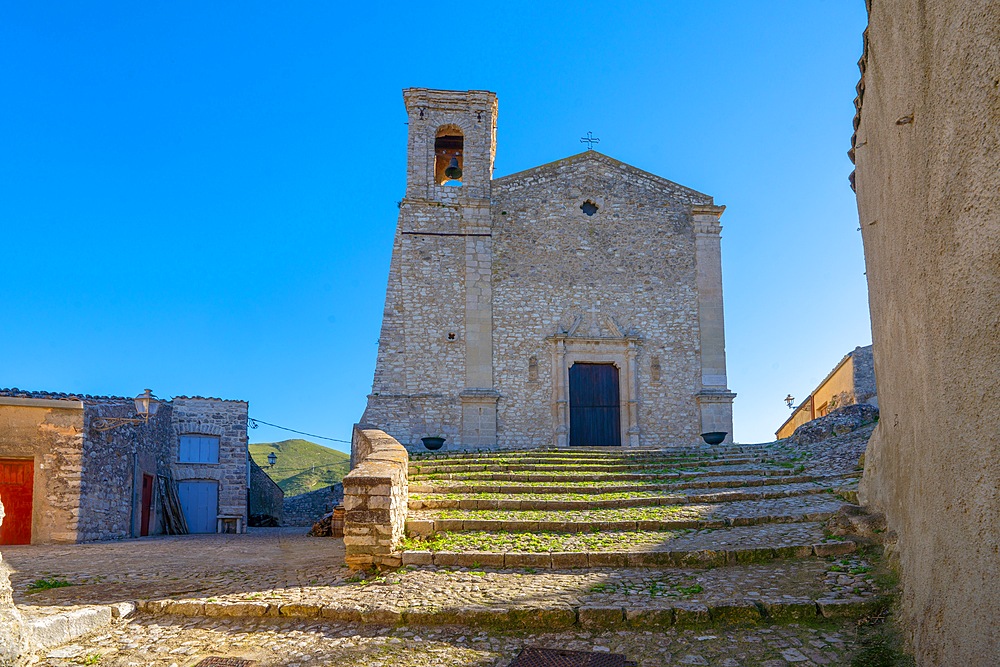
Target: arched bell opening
{"type": "Point", "coordinates": [449, 146]}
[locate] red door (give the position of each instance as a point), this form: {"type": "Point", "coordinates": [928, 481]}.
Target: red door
{"type": "Point", "coordinates": [16, 486]}
{"type": "Point", "coordinates": [147, 502]}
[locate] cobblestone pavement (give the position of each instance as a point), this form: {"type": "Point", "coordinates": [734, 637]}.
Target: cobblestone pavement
{"type": "Point", "coordinates": [180, 642]}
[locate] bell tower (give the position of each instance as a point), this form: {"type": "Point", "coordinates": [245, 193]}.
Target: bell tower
{"type": "Point", "coordinates": [446, 256]}
{"type": "Point", "coordinates": [451, 144]}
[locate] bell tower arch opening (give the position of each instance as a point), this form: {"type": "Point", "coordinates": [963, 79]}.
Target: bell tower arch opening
{"type": "Point", "coordinates": [449, 149]}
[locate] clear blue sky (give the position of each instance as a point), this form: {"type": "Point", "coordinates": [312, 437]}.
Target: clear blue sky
{"type": "Point", "coordinates": [200, 198]}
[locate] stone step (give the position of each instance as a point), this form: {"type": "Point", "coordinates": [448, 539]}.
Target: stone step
{"type": "Point", "coordinates": [591, 488]}
{"type": "Point", "coordinates": [605, 599]}
{"type": "Point", "coordinates": [666, 464]}
{"type": "Point", "coordinates": [655, 549]}
{"type": "Point", "coordinates": [415, 527]}
{"type": "Point", "coordinates": [708, 471]}
{"type": "Point", "coordinates": [581, 453]}
{"type": "Point", "coordinates": [493, 501]}
{"type": "Point", "coordinates": [672, 517]}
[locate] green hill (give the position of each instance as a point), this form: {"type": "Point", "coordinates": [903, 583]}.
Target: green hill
{"type": "Point", "coordinates": [302, 466]}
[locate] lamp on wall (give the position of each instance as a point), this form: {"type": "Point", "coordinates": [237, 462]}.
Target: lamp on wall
{"type": "Point", "coordinates": [789, 401]}
{"type": "Point", "coordinates": [272, 458]}
{"type": "Point", "coordinates": [146, 406]}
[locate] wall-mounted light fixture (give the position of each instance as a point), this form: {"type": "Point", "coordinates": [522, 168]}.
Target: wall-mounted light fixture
{"type": "Point", "coordinates": [789, 401]}
{"type": "Point", "coordinates": [272, 458]}
{"type": "Point", "coordinates": [146, 406]}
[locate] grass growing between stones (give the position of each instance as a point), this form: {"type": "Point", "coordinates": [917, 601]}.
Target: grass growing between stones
{"type": "Point", "coordinates": [46, 584]}
{"type": "Point", "coordinates": [625, 495]}
{"type": "Point", "coordinates": [540, 542]}
{"type": "Point", "coordinates": [879, 638]}
{"type": "Point", "coordinates": [659, 513]}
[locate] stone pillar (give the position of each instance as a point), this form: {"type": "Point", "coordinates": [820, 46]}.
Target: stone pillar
{"type": "Point", "coordinates": [14, 642]}
{"type": "Point", "coordinates": [631, 377]}
{"type": "Point", "coordinates": [715, 401]}
{"type": "Point", "coordinates": [479, 400]}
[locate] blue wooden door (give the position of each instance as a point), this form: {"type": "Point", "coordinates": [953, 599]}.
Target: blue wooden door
{"type": "Point", "coordinates": [594, 406]}
{"type": "Point", "coordinates": [200, 504]}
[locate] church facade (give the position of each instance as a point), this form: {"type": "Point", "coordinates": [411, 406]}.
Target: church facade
{"type": "Point", "coordinates": [575, 303]}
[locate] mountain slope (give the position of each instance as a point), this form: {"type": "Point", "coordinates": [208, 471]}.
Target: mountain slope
{"type": "Point", "coordinates": [302, 466]}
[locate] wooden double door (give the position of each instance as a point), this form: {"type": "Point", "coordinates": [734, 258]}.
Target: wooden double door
{"type": "Point", "coordinates": [594, 406]}
{"type": "Point", "coordinates": [17, 482]}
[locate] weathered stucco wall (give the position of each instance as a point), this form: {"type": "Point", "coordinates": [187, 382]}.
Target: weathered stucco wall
{"type": "Point", "coordinates": [53, 438]}
{"type": "Point", "coordinates": [928, 182]}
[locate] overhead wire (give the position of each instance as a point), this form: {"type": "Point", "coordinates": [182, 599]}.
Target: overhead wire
{"type": "Point", "coordinates": [254, 422]}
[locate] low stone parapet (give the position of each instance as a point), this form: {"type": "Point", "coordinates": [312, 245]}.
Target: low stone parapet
{"type": "Point", "coordinates": [375, 500]}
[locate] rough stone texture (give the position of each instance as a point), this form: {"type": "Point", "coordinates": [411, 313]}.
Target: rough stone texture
{"type": "Point", "coordinates": [266, 498]}
{"type": "Point", "coordinates": [840, 421]}
{"type": "Point", "coordinates": [375, 500]}
{"type": "Point", "coordinates": [87, 483]}
{"type": "Point", "coordinates": [497, 287]}
{"type": "Point", "coordinates": [14, 635]}
{"type": "Point", "coordinates": [307, 508]}
{"type": "Point", "coordinates": [927, 151]}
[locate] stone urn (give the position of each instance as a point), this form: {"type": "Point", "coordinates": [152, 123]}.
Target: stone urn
{"type": "Point", "coordinates": [432, 442]}
{"type": "Point", "coordinates": [714, 437]}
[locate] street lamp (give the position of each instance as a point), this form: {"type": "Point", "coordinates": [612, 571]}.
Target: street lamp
{"type": "Point", "coordinates": [789, 401]}
{"type": "Point", "coordinates": [146, 406]}
{"type": "Point", "coordinates": [272, 458]}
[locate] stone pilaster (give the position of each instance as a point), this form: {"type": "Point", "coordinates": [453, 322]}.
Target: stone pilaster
{"type": "Point", "coordinates": [715, 401]}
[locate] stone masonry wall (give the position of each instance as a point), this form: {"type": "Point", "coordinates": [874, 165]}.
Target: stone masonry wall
{"type": "Point", "coordinates": [632, 262]}
{"type": "Point", "coordinates": [375, 500]}
{"type": "Point", "coordinates": [266, 498]}
{"type": "Point", "coordinates": [306, 509]}
{"type": "Point", "coordinates": [864, 375]}
{"type": "Point", "coordinates": [109, 495]}
{"type": "Point", "coordinates": [498, 286]}
{"type": "Point", "coordinates": [927, 150]}
{"type": "Point", "coordinates": [228, 420]}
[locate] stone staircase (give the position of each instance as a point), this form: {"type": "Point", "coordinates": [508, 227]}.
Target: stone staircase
{"type": "Point", "coordinates": [650, 537]}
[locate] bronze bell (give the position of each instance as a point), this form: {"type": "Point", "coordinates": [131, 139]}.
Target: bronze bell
{"type": "Point", "coordinates": [453, 171]}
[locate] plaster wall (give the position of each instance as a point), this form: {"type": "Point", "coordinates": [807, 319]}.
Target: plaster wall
{"type": "Point", "coordinates": [53, 439]}
{"type": "Point", "coordinates": [927, 151]}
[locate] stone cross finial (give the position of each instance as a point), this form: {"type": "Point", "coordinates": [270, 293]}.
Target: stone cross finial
{"type": "Point", "coordinates": [590, 140]}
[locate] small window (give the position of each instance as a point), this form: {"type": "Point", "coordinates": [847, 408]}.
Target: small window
{"type": "Point", "coordinates": [199, 449]}
{"type": "Point", "coordinates": [589, 207]}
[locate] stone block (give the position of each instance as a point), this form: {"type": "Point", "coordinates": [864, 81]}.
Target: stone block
{"type": "Point", "coordinates": [607, 559]}
{"type": "Point", "coordinates": [563, 560]}
{"type": "Point", "coordinates": [789, 610]}
{"type": "Point", "coordinates": [601, 618]}
{"type": "Point", "coordinates": [649, 618]}
{"type": "Point", "coordinates": [447, 558]}
{"type": "Point", "coordinates": [834, 548]}
{"type": "Point", "coordinates": [382, 616]}
{"type": "Point", "coordinates": [341, 614]}
{"type": "Point", "coordinates": [418, 558]}
{"type": "Point", "coordinates": [735, 613]}
{"type": "Point", "coordinates": [650, 559]}
{"type": "Point", "coordinates": [536, 561]}
{"type": "Point", "coordinates": [299, 610]}
{"type": "Point", "coordinates": [801, 551]}
{"type": "Point", "coordinates": [691, 614]}
{"type": "Point", "coordinates": [540, 619]}
{"type": "Point", "coordinates": [847, 608]}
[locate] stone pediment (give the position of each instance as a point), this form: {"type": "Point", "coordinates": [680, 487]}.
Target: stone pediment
{"type": "Point", "coordinates": [578, 322]}
{"type": "Point", "coordinates": [593, 169]}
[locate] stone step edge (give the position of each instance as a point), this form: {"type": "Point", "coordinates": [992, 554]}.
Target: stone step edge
{"type": "Point", "coordinates": [613, 487]}
{"type": "Point", "coordinates": [617, 503]}
{"type": "Point", "coordinates": [426, 527]}
{"type": "Point", "coordinates": [567, 560]}
{"type": "Point", "coordinates": [595, 451]}
{"type": "Point", "coordinates": [424, 469]}
{"type": "Point", "coordinates": [610, 617]}
{"type": "Point", "coordinates": [515, 477]}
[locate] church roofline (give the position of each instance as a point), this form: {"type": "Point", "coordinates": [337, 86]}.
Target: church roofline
{"type": "Point", "coordinates": [600, 157]}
